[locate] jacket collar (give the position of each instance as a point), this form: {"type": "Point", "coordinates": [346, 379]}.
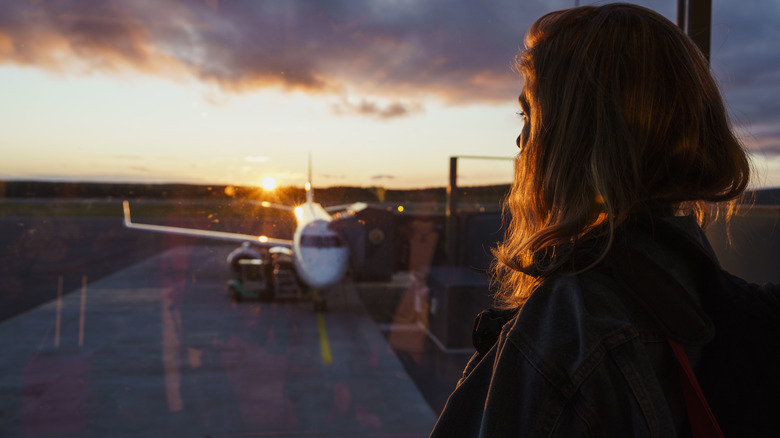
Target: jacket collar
{"type": "Point", "coordinates": [665, 264]}
{"type": "Point", "coordinates": [662, 264]}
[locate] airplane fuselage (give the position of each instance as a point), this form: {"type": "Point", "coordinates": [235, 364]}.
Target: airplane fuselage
{"type": "Point", "coordinates": [321, 255]}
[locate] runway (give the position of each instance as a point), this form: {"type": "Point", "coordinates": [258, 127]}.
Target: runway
{"type": "Point", "coordinates": [157, 349]}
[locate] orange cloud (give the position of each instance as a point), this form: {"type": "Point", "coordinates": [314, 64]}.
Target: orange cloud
{"type": "Point", "coordinates": [397, 52]}
{"type": "Point", "coordinates": [244, 46]}
{"type": "Point", "coordinates": [365, 107]}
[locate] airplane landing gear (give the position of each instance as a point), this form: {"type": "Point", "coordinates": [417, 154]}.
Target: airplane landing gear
{"type": "Point", "coordinates": [319, 301]}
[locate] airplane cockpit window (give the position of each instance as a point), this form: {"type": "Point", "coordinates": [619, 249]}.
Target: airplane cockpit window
{"type": "Point", "coordinates": [162, 156]}
{"type": "Point", "coordinates": [315, 241]}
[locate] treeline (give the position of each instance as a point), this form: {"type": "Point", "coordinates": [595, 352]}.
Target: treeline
{"type": "Point", "coordinates": [45, 189]}
{"type": "Point", "coordinates": [337, 194]}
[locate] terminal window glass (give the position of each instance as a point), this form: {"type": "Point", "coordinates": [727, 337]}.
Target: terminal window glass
{"type": "Point", "coordinates": [213, 120]}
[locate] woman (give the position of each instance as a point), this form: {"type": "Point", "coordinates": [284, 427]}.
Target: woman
{"type": "Point", "coordinates": [625, 138]}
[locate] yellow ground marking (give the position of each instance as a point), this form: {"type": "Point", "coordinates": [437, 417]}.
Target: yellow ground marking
{"type": "Point", "coordinates": [327, 357]}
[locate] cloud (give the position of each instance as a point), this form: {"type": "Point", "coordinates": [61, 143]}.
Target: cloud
{"type": "Point", "coordinates": [59, 37]}
{"type": "Point", "coordinates": [458, 51]}
{"type": "Point", "coordinates": [365, 107]}
{"type": "Point", "coordinates": [745, 62]}
{"type": "Point", "coordinates": [761, 138]}
{"type": "Point", "coordinates": [397, 52]}
{"type": "Point", "coordinates": [378, 177]}
{"type": "Point", "coordinates": [770, 151]}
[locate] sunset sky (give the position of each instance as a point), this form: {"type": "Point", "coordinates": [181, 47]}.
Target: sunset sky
{"type": "Point", "coordinates": [379, 92]}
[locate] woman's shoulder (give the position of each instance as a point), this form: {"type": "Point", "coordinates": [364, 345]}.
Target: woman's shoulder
{"type": "Point", "coordinates": [570, 323]}
{"type": "Point", "coordinates": [583, 308]}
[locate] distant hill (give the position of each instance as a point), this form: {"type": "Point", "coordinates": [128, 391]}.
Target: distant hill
{"type": "Point", "coordinates": [764, 196]}
{"type": "Point", "coordinates": [328, 195]}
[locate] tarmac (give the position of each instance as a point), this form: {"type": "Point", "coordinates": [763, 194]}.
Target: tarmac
{"type": "Point", "coordinates": [157, 349]}
{"type": "Point", "coordinates": [109, 333]}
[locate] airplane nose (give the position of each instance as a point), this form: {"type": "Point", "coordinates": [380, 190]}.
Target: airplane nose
{"type": "Point", "coordinates": [327, 279]}
{"type": "Point", "coordinates": [322, 270]}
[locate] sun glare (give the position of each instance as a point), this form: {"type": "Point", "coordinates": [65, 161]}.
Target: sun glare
{"type": "Point", "coordinates": [269, 183]}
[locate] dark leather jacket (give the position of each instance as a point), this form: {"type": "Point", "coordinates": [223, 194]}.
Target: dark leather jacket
{"type": "Point", "coordinates": [588, 353]}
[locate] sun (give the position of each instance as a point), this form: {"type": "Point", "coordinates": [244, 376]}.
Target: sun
{"type": "Point", "coordinates": [269, 183]}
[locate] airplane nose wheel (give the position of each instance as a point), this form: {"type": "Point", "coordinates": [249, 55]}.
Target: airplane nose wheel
{"type": "Point", "coordinates": [319, 301]}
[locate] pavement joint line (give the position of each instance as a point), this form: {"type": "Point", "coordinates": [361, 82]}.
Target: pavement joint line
{"type": "Point", "coordinates": [407, 327]}
{"type": "Point", "coordinates": [58, 315]}
{"type": "Point", "coordinates": [82, 309]}
{"type": "Point", "coordinates": [441, 346]}
{"type": "Point", "coordinates": [420, 327]}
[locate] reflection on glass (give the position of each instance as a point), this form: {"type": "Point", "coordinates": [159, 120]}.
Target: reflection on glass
{"type": "Point", "coordinates": [106, 331]}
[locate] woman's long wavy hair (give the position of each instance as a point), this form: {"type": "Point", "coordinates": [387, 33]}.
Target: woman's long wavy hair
{"type": "Point", "coordinates": [621, 110]}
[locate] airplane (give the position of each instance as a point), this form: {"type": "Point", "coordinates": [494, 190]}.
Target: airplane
{"type": "Point", "coordinates": [319, 251]}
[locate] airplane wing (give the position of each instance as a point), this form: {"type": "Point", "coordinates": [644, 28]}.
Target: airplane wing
{"type": "Point", "coordinates": [267, 204]}
{"type": "Point", "coordinates": [220, 235]}
{"type": "Point", "coordinates": [355, 207]}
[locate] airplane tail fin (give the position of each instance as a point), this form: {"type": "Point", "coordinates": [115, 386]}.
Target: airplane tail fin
{"type": "Point", "coordinates": [309, 188]}
{"type": "Point", "coordinates": [126, 209]}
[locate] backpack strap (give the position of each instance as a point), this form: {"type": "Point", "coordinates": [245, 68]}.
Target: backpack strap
{"type": "Point", "coordinates": [702, 421]}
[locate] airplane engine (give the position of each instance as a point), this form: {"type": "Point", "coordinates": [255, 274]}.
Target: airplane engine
{"type": "Point", "coordinates": [245, 251]}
